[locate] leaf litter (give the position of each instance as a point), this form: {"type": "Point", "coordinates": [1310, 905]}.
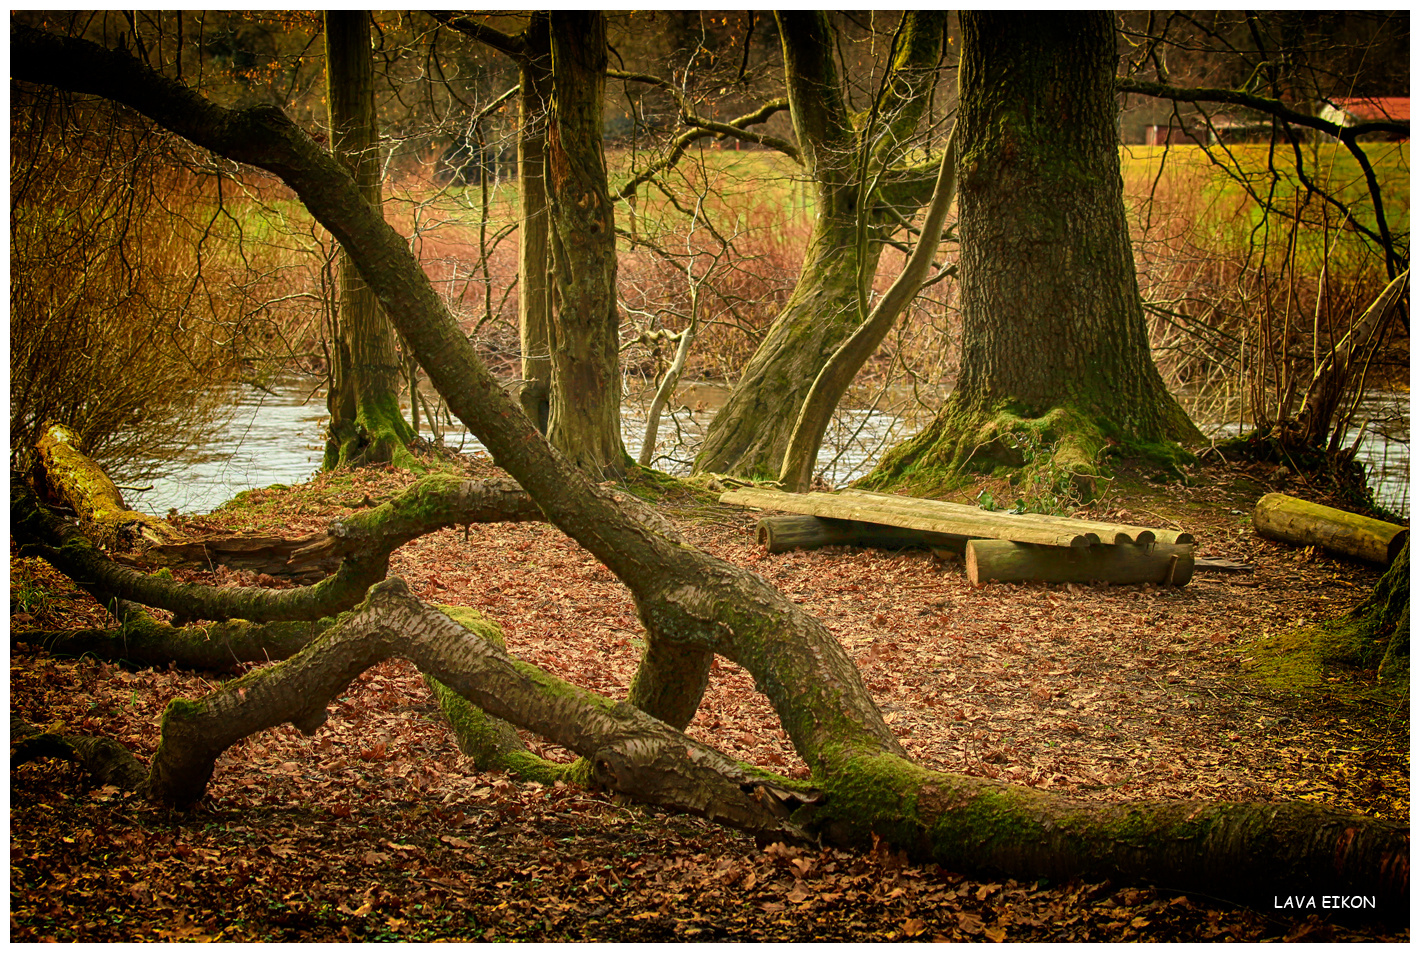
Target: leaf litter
{"type": "Point", "coordinates": [378, 828]}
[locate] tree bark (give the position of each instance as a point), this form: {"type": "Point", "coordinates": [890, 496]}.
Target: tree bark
{"type": "Point", "coordinates": [366, 425]}
{"type": "Point", "coordinates": [364, 541]}
{"type": "Point", "coordinates": [999, 560]}
{"type": "Point", "coordinates": [1331, 380]}
{"type": "Point", "coordinates": [1386, 616]}
{"type": "Point", "coordinates": [780, 534]}
{"type": "Point", "coordinates": [748, 436]}
{"type": "Point", "coordinates": [832, 382]}
{"type": "Point", "coordinates": [1053, 333]}
{"type": "Point", "coordinates": [534, 288]}
{"type": "Point", "coordinates": [585, 422]}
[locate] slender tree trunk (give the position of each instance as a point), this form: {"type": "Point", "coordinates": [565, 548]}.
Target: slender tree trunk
{"type": "Point", "coordinates": [832, 382]}
{"type": "Point", "coordinates": [366, 425]}
{"type": "Point", "coordinates": [585, 421]}
{"type": "Point", "coordinates": [750, 433]}
{"type": "Point", "coordinates": [534, 289]}
{"type": "Point", "coordinates": [1052, 321]}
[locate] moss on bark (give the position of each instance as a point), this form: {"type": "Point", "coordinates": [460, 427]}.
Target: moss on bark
{"type": "Point", "coordinates": [1054, 344]}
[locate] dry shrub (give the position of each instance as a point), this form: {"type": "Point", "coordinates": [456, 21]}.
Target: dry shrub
{"type": "Point", "coordinates": [1241, 300]}
{"type": "Point", "coordinates": [129, 305]}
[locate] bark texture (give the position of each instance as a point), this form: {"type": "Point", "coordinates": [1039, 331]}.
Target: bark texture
{"type": "Point", "coordinates": [532, 51]}
{"type": "Point", "coordinates": [999, 560]}
{"type": "Point", "coordinates": [1052, 325]}
{"type": "Point", "coordinates": [366, 425]}
{"type": "Point", "coordinates": [748, 436]}
{"type": "Point", "coordinates": [832, 382]}
{"type": "Point", "coordinates": [534, 288]}
{"type": "Point", "coordinates": [585, 422]}
{"type": "Point", "coordinates": [1302, 523]}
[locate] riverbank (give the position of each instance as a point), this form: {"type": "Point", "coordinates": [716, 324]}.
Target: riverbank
{"type": "Point", "coordinates": [274, 436]}
{"type": "Point", "coordinates": [377, 828]}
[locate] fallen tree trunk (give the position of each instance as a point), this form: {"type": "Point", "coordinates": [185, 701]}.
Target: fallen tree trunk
{"type": "Point", "coordinates": [629, 751]}
{"type": "Point", "coordinates": [780, 534]}
{"type": "Point", "coordinates": [305, 558]}
{"type": "Point", "coordinates": [143, 640]}
{"type": "Point", "coordinates": [1290, 520]}
{"type": "Point", "coordinates": [1240, 851]}
{"type": "Point", "coordinates": [79, 483]}
{"type": "Point", "coordinates": [363, 543]}
{"type": "Point", "coordinates": [107, 761]}
{"type": "Point", "coordinates": [40, 533]}
{"type": "Point", "coordinates": [999, 560]}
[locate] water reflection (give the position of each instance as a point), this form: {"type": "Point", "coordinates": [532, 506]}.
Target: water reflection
{"type": "Point", "coordinates": [277, 437]}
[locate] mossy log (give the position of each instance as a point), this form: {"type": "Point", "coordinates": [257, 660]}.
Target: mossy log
{"type": "Point", "coordinates": [75, 480]}
{"type": "Point", "coordinates": [780, 534]}
{"type": "Point", "coordinates": [142, 640]}
{"type": "Point", "coordinates": [628, 750]}
{"type": "Point", "coordinates": [999, 560]}
{"type": "Point", "coordinates": [107, 761]}
{"type": "Point", "coordinates": [1290, 520]}
{"type": "Point", "coordinates": [362, 541]}
{"type": "Point", "coordinates": [307, 557]}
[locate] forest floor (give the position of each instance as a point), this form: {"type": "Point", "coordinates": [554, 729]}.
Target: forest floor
{"type": "Point", "coordinates": [377, 828]}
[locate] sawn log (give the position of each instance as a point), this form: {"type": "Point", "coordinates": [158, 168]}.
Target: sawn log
{"type": "Point", "coordinates": [953, 518]}
{"type": "Point", "coordinates": [779, 534]}
{"type": "Point", "coordinates": [999, 560]}
{"type": "Point", "coordinates": [1290, 520]}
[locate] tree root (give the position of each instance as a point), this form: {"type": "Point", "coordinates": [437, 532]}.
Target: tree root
{"type": "Point", "coordinates": [107, 761]}
{"type": "Point", "coordinates": [628, 750]}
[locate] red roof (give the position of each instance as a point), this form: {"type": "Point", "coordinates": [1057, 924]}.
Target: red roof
{"type": "Point", "coordinates": [1370, 108]}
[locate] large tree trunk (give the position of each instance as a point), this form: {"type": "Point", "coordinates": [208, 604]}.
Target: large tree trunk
{"type": "Point", "coordinates": [694, 603]}
{"type": "Point", "coordinates": [366, 425]}
{"type": "Point", "coordinates": [585, 422]}
{"type": "Point", "coordinates": [750, 433]}
{"type": "Point", "coordinates": [1053, 336]}
{"type": "Point", "coordinates": [800, 458]}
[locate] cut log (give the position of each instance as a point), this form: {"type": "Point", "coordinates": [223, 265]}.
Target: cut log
{"type": "Point", "coordinates": [78, 482]}
{"type": "Point", "coordinates": [952, 518]}
{"type": "Point", "coordinates": [1290, 520]}
{"type": "Point", "coordinates": [780, 534]}
{"type": "Point", "coordinates": [999, 560]}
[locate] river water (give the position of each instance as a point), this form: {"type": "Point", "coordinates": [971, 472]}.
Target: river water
{"type": "Point", "coordinates": [277, 436]}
